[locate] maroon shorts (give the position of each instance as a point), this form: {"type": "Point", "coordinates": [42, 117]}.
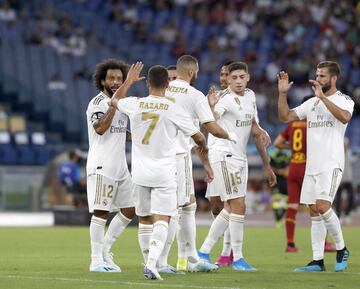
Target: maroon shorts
{"type": "Point", "coordinates": [294, 183]}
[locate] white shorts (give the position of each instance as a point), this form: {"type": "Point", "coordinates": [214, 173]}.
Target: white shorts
{"type": "Point", "coordinates": [230, 180]}
{"type": "Point", "coordinates": [110, 195]}
{"type": "Point", "coordinates": [159, 200]}
{"type": "Point", "coordinates": [184, 178]}
{"type": "Point", "coordinates": [321, 186]}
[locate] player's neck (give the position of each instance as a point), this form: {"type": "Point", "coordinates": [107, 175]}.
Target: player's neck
{"type": "Point", "coordinates": [240, 93]}
{"type": "Point", "coordinates": [183, 78]}
{"type": "Point", "coordinates": [104, 92]}
{"type": "Point", "coordinates": [157, 92]}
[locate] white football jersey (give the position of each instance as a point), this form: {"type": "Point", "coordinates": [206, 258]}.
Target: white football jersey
{"type": "Point", "coordinates": [155, 123]}
{"type": "Point", "coordinates": [106, 152]}
{"type": "Point", "coordinates": [325, 133]}
{"type": "Point", "coordinates": [196, 105]}
{"type": "Point", "coordinates": [236, 115]}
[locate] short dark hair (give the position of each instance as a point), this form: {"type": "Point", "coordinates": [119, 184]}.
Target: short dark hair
{"type": "Point", "coordinates": [227, 63]}
{"type": "Point", "coordinates": [185, 61]}
{"type": "Point", "coordinates": [171, 67]}
{"type": "Point", "coordinates": [158, 77]}
{"type": "Point", "coordinates": [238, 65]}
{"type": "Point", "coordinates": [332, 66]}
{"type": "Point", "coordinates": [102, 68]}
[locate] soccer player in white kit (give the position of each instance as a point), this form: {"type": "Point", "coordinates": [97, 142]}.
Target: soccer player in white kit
{"type": "Point", "coordinates": [327, 116]}
{"type": "Point", "coordinates": [236, 111]}
{"type": "Point", "coordinates": [155, 122]}
{"type": "Point", "coordinates": [109, 185]}
{"type": "Point", "coordinates": [196, 105]}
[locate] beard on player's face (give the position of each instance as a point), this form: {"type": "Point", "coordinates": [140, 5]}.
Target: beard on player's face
{"type": "Point", "coordinates": [108, 90]}
{"type": "Point", "coordinates": [326, 87]}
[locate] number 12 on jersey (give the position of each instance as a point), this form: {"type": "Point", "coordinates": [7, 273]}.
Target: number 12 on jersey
{"type": "Point", "coordinates": [154, 119]}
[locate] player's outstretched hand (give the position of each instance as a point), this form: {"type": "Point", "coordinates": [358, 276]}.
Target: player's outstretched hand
{"type": "Point", "coordinates": [213, 96]}
{"type": "Point", "coordinates": [209, 173]}
{"type": "Point", "coordinates": [271, 177]}
{"type": "Point", "coordinates": [316, 87]}
{"type": "Point", "coordinates": [134, 72]}
{"type": "Point", "coordinates": [283, 82]}
{"type": "Point", "coordinates": [232, 137]}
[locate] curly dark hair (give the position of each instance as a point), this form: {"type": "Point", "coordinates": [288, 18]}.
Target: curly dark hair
{"type": "Point", "coordinates": [102, 68]}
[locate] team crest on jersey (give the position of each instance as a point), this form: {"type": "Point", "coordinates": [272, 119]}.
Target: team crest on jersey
{"type": "Point", "coordinates": [235, 189]}
{"type": "Point", "coordinates": [105, 202]}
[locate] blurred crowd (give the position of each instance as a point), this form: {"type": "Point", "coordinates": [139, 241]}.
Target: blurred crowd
{"type": "Point", "coordinates": [268, 35]}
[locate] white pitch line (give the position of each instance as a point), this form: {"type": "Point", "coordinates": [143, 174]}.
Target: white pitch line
{"type": "Point", "coordinates": [151, 283]}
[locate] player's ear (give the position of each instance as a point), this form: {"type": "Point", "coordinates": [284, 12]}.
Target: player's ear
{"type": "Point", "coordinates": [147, 84]}
{"type": "Point", "coordinates": [334, 79]}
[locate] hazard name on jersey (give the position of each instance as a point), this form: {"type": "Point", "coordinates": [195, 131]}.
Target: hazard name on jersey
{"type": "Point", "coordinates": [152, 105]}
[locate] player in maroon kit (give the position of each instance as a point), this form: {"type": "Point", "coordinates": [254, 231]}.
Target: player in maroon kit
{"type": "Point", "coordinates": [294, 138]}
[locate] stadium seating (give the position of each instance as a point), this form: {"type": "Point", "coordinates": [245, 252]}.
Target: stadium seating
{"type": "Point", "coordinates": [26, 68]}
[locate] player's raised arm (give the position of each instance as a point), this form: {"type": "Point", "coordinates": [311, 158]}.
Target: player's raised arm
{"type": "Point", "coordinates": [133, 76]}
{"type": "Point", "coordinates": [285, 114]}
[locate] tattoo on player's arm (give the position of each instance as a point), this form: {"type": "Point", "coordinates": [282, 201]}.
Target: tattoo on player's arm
{"type": "Point", "coordinates": [102, 121]}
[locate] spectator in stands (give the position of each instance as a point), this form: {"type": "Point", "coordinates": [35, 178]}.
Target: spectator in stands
{"type": "Point", "coordinates": [167, 32]}
{"type": "Point", "coordinates": [7, 14]}
{"type": "Point", "coordinates": [56, 83]}
{"type": "Point", "coordinates": [77, 43]}
{"type": "Point", "coordinates": [70, 176]}
{"type": "Point", "coordinates": [84, 73]}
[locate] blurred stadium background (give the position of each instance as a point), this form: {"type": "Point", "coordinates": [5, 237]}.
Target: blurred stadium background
{"type": "Point", "coordinates": [49, 49]}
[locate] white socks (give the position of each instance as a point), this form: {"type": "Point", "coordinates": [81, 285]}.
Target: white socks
{"type": "Point", "coordinates": [236, 227]}
{"type": "Point", "coordinates": [157, 241]}
{"type": "Point", "coordinates": [97, 227]}
{"type": "Point", "coordinates": [226, 250]}
{"type": "Point", "coordinates": [332, 224]}
{"type": "Point", "coordinates": [144, 235]}
{"type": "Point", "coordinates": [218, 226]}
{"type": "Point", "coordinates": [318, 236]}
{"type": "Point", "coordinates": [187, 233]}
{"type": "Point", "coordinates": [116, 227]}
{"type": "Point", "coordinates": [173, 226]}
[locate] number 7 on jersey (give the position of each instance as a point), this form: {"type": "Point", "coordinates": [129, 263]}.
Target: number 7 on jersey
{"type": "Point", "coordinates": [154, 119]}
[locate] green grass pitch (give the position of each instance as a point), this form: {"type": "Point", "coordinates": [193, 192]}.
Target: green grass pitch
{"type": "Point", "coordinates": [51, 258]}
